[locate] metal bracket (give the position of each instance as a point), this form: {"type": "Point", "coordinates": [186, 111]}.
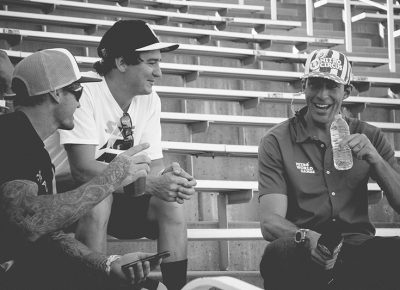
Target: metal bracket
{"type": "Point", "coordinates": [240, 196]}
{"type": "Point", "coordinates": [191, 76]}
{"type": "Point", "coordinates": [12, 36]}
{"type": "Point", "coordinates": [266, 44]}
{"type": "Point", "coordinates": [204, 39]}
{"type": "Point", "coordinates": [250, 103]}
{"type": "Point", "coordinates": [48, 8]}
{"type": "Point", "coordinates": [249, 60]}
{"type": "Point", "coordinates": [260, 28]}
{"type": "Point", "coordinates": [200, 127]}
{"type": "Point", "coordinates": [221, 26]}
{"type": "Point", "coordinates": [124, 3]}
{"type": "Point", "coordinates": [184, 9]}
{"type": "Point", "coordinates": [361, 86]}
{"type": "Point", "coordinates": [163, 20]}
{"type": "Point", "coordinates": [301, 46]}
{"type": "Point", "coordinates": [92, 29]}
{"type": "Point", "coordinates": [223, 11]}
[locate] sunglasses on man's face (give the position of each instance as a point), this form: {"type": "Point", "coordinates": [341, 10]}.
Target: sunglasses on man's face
{"type": "Point", "coordinates": [127, 133]}
{"type": "Point", "coordinates": [76, 89]}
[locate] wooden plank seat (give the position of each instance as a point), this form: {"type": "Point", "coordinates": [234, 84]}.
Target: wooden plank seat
{"type": "Point", "coordinates": [160, 16]}
{"type": "Point", "coordinates": [202, 35]}
{"type": "Point", "coordinates": [185, 6]}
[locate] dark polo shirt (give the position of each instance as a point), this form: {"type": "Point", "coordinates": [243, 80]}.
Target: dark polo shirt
{"type": "Point", "coordinates": [296, 164]}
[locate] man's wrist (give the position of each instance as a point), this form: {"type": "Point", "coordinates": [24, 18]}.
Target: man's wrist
{"type": "Point", "coordinates": [301, 236]}
{"type": "Point", "coordinates": [111, 259]}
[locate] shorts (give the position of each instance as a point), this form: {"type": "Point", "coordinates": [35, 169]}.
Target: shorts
{"type": "Point", "coordinates": [128, 218]}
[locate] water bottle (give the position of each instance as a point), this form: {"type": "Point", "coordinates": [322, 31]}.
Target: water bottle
{"type": "Point", "coordinates": [342, 156]}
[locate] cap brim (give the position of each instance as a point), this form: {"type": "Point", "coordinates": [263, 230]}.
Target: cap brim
{"type": "Point", "coordinates": [325, 76]}
{"type": "Point", "coordinates": [162, 46]}
{"type": "Point", "coordinates": [84, 79]}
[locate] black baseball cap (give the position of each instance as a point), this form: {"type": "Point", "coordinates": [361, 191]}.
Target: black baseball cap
{"type": "Point", "coordinates": [127, 36]}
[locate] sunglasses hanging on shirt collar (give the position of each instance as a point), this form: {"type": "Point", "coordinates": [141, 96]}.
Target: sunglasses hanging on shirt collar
{"type": "Point", "coordinates": [126, 131]}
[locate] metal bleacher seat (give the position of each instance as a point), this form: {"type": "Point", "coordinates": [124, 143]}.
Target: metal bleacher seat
{"type": "Point", "coordinates": [192, 72]}
{"type": "Point", "coordinates": [200, 122]}
{"type": "Point", "coordinates": [373, 17]}
{"type": "Point", "coordinates": [185, 6]}
{"type": "Point", "coordinates": [202, 35]}
{"type": "Point", "coordinates": [161, 16]}
{"type": "Point", "coordinates": [208, 149]}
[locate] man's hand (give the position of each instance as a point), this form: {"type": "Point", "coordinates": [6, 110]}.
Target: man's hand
{"type": "Point", "coordinates": [137, 165]}
{"type": "Point", "coordinates": [6, 71]}
{"type": "Point", "coordinates": [173, 185]}
{"type": "Point", "coordinates": [326, 262]}
{"type": "Point", "coordinates": [362, 148]}
{"type": "Point", "coordinates": [135, 274]}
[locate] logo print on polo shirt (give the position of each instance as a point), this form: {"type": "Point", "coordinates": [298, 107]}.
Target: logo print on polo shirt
{"type": "Point", "coordinates": [305, 167]}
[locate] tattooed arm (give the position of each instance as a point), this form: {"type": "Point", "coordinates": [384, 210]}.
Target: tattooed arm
{"type": "Point", "coordinates": [36, 216]}
{"type": "Point", "coordinates": [95, 262]}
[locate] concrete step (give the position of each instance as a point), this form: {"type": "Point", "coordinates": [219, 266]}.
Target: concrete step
{"type": "Point", "coordinates": [252, 277]}
{"type": "Point", "coordinates": [202, 255]}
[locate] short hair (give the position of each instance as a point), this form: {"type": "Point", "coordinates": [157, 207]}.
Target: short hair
{"type": "Point", "coordinates": [22, 97]}
{"type": "Point", "coordinates": [106, 64]}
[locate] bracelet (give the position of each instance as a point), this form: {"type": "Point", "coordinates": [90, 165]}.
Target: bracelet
{"type": "Point", "coordinates": [109, 261]}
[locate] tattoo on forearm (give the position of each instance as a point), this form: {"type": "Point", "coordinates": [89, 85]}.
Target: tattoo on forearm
{"type": "Point", "coordinates": [74, 249]}
{"type": "Point", "coordinates": [39, 215]}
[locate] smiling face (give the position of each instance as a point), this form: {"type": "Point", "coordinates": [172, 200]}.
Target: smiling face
{"type": "Point", "coordinates": [141, 77]}
{"type": "Point", "coordinates": [324, 98]}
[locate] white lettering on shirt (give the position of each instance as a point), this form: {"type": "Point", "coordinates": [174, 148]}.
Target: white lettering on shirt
{"type": "Point", "coordinates": [305, 167]}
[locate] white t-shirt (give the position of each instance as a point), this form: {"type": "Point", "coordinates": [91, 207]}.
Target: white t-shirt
{"type": "Point", "coordinates": [97, 122]}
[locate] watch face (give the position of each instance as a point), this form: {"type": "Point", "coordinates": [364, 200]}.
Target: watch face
{"type": "Point", "coordinates": [298, 237]}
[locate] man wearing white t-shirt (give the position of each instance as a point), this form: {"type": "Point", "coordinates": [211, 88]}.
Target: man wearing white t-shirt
{"type": "Point", "coordinates": [121, 111]}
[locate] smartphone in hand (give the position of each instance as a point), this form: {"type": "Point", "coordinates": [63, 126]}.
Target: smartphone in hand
{"type": "Point", "coordinates": [152, 259]}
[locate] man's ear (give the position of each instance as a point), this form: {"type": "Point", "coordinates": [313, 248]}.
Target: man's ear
{"type": "Point", "coordinates": [303, 84]}
{"type": "Point", "coordinates": [120, 64]}
{"type": "Point", "coordinates": [56, 95]}
{"type": "Point", "coordinates": [347, 91]}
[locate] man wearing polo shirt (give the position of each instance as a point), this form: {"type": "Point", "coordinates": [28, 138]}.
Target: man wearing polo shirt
{"type": "Point", "coordinates": [302, 195]}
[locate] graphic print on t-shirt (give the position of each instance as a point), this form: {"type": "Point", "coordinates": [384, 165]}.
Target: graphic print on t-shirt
{"type": "Point", "coordinates": [115, 139]}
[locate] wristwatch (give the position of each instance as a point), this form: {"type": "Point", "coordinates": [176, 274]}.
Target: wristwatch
{"type": "Point", "coordinates": [300, 236]}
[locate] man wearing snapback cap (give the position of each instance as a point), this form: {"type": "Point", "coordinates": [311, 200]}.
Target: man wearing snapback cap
{"type": "Point", "coordinates": [34, 251]}
{"type": "Point", "coordinates": [120, 111]}
{"type": "Point", "coordinates": [302, 194]}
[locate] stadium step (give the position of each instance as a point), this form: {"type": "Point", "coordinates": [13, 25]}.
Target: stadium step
{"type": "Point", "coordinates": [252, 277]}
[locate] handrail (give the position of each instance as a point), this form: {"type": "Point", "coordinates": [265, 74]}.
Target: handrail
{"type": "Point", "coordinates": [347, 19]}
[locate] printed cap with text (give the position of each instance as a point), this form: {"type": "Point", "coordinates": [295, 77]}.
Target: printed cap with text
{"type": "Point", "coordinates": [127, 36]}
{"type": "Point", "coordinates": [329, 64]}
{"type": "Point", "coordinates": [48, 70]}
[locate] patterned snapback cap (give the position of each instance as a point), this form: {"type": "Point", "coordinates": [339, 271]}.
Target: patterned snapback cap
{"type": "Point", "coordinates": [329, 64]}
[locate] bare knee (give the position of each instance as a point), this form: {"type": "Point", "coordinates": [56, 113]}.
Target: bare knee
{"type": "Point", "coordinates": [167, 213]}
